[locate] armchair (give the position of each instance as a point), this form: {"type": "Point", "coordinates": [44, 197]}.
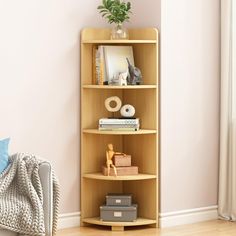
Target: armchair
{"type": "Point", "coordinates": [45, 173]}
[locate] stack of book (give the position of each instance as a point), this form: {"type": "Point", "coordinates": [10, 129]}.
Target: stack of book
{"type": "Point", "coordinates": [109, 62]}
{"type": "Point", "coordinates": [119, 124]}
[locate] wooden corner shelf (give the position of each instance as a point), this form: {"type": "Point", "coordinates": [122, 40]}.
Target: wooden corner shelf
{"type": "Point", "coordinates": [100, 176]}
{"type": "Point", "coordinates": [142, 145]}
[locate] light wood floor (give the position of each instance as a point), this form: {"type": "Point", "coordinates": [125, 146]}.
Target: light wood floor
{"type": "Point", "coordinates": [210, 228]}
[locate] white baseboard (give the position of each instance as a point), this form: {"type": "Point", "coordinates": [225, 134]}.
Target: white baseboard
{"type": "Point", "coordinates": [69, 220]}
{"type": "Point", "coordinates": [188, 216]}
{"type": "Point", "coordinates": [168, 219]}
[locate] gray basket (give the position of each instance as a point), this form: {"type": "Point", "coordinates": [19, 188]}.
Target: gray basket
{"type": "Point", "coordinates": [118, 213]}
{"type": "Point", "coordinates": [114, 199]}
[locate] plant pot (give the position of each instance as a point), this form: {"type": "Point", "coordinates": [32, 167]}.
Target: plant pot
{"type": "Point", "coordinates": [119, 32]}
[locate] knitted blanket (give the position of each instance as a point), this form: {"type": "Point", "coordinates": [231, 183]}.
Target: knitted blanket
{"type": "Point", "coordinates": [21, 197]}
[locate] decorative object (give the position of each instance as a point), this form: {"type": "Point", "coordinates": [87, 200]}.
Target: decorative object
{"type": "Point", "coordinates": [123, 78]}
{"type": "Point", "coordinates": [119, 213]}
{"type": "Point", "coordinates": [120, 80]}
{"type": "Point", "coordinates": [123, 168]}
{"type": "Point", "coordinates": [118, 208]}
{"type": "Point", "coordinates": [135, 75]}
{"type": "Point", "coordinates": [109, 155]}
{"type": "Point", "coordinates": [121, 160]}
{"type": "Point", "coordinates": [119, 32]}
{"type": "Point", "coordinates": [116, 11]}
{"type": "Point", "coordinates": [4, 154]}
{"type": "Point", "coordinates": [113, 99]}
{"type": "Point", "coordinates": [118, 199]}
{"type": "Point", "coordinates": [120, 171]}
{"type": "Point", "coordinates": [127, 111]}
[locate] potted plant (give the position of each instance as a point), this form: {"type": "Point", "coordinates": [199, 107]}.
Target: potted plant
{"type": "Point", "coordinates": [116, 11]}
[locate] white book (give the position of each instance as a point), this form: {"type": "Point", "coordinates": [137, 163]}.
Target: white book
{"type": "Point", "coordinates": [115, 60]}
{"type": "Point", "coordinates": [119, 121]}
{"type": "Point", "coordinates": [119, 129]}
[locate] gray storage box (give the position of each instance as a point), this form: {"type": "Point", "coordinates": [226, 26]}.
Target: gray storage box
{"type": "Point", "coordinates": [119, 213]}
{"type": "Point", "coordinates": [116, 199]}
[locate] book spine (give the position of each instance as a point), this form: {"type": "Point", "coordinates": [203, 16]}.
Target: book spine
{"type": "Point", "coordinates": [97, 67]}
{"type": "Point", "coordinates": [101, 66]}
{"type": "Point", "coordinates": [94, 79]}
{"type": "Point", "coordinates": [118, 126]}
{"type": "Point", "coordinates": [118, 129]}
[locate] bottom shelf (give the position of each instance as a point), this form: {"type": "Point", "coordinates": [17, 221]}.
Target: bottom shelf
{"type": "Point", "coordinates": [119, 225]}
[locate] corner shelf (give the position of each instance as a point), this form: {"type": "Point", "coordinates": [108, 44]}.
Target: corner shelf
{"type": "Point", "coordinates": [141, 131]}
{"type": "Point", "coordinates": [142, 145]}
{"type": "Point", "coordinates": [90, 86]}
{"type": "Point", "coordinates": [100, 176]}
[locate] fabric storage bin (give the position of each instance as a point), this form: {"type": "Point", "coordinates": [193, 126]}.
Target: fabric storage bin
{"type": "Point", "coordinates": [114, 199]}
{"type": "Point", "coordinates": [118, 213]}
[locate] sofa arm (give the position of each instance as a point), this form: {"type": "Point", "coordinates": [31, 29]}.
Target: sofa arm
{"type": "Point", "coordinates": [45, 173]}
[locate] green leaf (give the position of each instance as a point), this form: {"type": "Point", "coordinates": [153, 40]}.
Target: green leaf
{"type": "Point", "coordinates": [104, 14]}
{"type": "Point", "coordinates": [128, 6]}
{"type": "Point", "coordinates": [104, 3]}
{"type": "Point", "coordinates": [105, 10]}
{"type": "Point", "coordinates": [115, 11]}
{"type": "Point", "coordinates": [100, 7]}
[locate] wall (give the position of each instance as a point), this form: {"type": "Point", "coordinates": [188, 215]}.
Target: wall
{"type": "Point", "coordinates": [39, 79]}
{"type": "Point", "coordinates": [190, 103]}
{"type": "Point", "coordinates": [39, 90]}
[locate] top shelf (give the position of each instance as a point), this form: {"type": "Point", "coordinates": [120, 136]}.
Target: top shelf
{"type": "Point", "coordinates": [119, 41]}
{"type": "Point", "coordinates": [136, 36]}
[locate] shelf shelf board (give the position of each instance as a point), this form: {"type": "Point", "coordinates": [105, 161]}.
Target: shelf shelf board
{"type": "Point", "coordinates": [100, 176]}
{"type": "Point", "coordinates": [94, 41]}
{"type": "Point", "coordinates": [139, 221]}
{"type": "Point", "coordinates": [141, 131]}
{"type": "Point", "coordinates": [119, 87]}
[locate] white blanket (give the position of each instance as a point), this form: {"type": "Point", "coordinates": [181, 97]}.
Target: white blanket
{"type": "Point", "coordinates": [21, 197]}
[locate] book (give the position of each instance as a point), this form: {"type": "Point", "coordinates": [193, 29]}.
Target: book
{"type": "Point", "coordinates": [119, 121]}
{"type": "Point", "coordinates": [119, 126]}
{"type": "Point", "coordinates": [100, 64]}
{"type": "Point", "coordinates": [118, 129]}
{"type": "Point", "coordinates": [95, 66]}
{"type": "Point", "coordinates": [116, 62]}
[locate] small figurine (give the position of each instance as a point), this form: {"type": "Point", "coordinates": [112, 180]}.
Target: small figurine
{"type": "Point", "coordinates": [109, 155]}
{"type": "Point", "coordinates": [135, 76]}
{"type": "Point", "coordinates": [123, 78]}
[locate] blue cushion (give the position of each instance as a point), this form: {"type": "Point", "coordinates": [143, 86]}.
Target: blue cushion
{"type": "Point", "coordinates": [4, 154]}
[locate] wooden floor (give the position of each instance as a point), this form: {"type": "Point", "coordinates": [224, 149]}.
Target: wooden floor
{"type": "Point", "coordinates": [210, 228]}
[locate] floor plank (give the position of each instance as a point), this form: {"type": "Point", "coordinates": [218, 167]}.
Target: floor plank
{"type": "Point", "coordinates": [209, 228]}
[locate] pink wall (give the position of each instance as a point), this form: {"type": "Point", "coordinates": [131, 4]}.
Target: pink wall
{"type": "Point", "coordinates": [190, 78]}
{"type": "Point", "coordinates": [39, 90]}
{"type": "Point", "coordinates": [39, 79]}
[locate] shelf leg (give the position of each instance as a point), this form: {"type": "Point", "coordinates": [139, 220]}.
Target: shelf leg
{"type": "Point", "coordinates": [117, 228]}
